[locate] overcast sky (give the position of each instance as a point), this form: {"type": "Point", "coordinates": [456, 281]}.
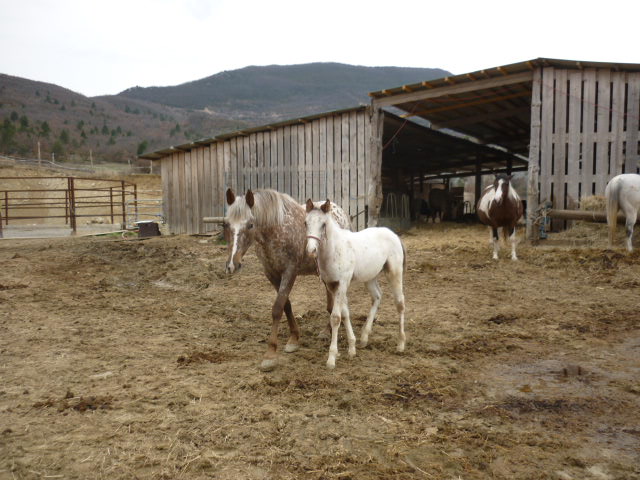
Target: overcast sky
{"type": "Point", "coordinates": [100, 48]}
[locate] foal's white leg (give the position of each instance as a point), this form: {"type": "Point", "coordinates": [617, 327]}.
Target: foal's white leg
{"type": "Point", "coordinates": [335, 326]}
{"type": "Point", "coordinates": [629, 223]}
{"type": "Point", "coordinates": [351, 338]}
{"type": "Point", "coordinates": [376, 294]}
{"type": "Point", "coordinates": [395, 279]}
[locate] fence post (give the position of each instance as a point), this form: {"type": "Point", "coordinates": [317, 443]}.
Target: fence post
{"type": "Point", "coordinates": [124, 213]}
{"type": "Point", "coordinates": [111, 202]}
{"type": "Point", "coordinates": [72, 205]}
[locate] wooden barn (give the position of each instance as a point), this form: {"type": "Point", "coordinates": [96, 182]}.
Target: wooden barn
{"type": "Point", "coordinates": [571, 125]}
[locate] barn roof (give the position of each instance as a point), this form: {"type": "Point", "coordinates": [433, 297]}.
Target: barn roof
{"type": "Point", "coordinates": [491, 105]}
{"type": "Point", "coordinates": [186, 147]}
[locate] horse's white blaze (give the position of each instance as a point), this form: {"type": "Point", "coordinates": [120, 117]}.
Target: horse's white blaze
{"type": "Point", "coordinates": [497, 195]}
{"type": "Point", "coordinates": [234, 247]}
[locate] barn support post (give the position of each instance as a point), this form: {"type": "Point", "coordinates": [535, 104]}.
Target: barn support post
{"type": "Point", "coordinates": [374, 189]}
{"type": "Point", "coordinates": [532, 232]}
{"type": "Point", "coordinates": [478, 183]}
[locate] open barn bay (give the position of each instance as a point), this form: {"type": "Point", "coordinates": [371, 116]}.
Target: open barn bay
{"type": "Point", "coordinates": [124, 359]}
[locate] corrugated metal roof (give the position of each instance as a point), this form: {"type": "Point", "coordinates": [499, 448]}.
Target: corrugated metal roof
{"type": "Point", "coordinates": [504, 70]}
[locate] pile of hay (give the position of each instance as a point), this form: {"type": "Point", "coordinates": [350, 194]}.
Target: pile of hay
{"type": "Point", "coordinates": [594, 203]}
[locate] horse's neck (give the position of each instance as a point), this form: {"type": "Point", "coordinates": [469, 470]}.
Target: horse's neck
{"type": "Point", "coordinates": [334, 237]}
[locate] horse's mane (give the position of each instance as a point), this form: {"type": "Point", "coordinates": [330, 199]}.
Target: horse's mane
{"type": "Point", "coordinates": [269, 208]}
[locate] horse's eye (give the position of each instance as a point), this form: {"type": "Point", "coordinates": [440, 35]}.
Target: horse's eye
{"type": "Point", "coordinates": [250, 226]}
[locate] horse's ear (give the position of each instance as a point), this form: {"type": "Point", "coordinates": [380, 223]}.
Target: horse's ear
{"type": "Point", "coordinates": [231, 197]}
{"type": "Point", "coordinates": [326, 206]}
{"type": "Point", "coordinates": [509, 177]}
{"type": "Point", "coordinates": [309, 205]}
{"type": "Point", "coordinates": [249, 198]}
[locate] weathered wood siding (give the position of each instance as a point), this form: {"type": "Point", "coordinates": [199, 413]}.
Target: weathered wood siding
{"type": "Point", "coordinates": [587, 132]}
{"type": "Point", "coordinates": [327, 157]}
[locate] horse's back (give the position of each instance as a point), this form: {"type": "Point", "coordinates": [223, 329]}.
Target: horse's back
{"type": "Point", "coordinates": [375, 248]}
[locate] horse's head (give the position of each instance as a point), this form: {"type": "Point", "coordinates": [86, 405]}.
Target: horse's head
{"type": "Point", "coordinates": [238, 228]}
{"type": "Point", "coordinates": [501, 186]}
{"type": "Point", "coordinates": [316, 225]}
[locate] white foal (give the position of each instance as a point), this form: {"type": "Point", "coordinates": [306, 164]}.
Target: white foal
{"type": "Point", "coordinates": [343, 256]}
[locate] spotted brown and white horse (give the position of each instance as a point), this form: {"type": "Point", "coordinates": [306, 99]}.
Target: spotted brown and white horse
{"type": "Point", "coordinates": [623, 193]}
{"type": "Point", "coordinates": [500, 207]}
{"type": "Point", "coordinates": [275, 222]}
{"type": "Point", "coordinates": [343, 256]}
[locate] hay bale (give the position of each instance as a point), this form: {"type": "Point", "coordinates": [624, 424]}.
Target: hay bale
{"type": "Point", "coordinates": [594, 203]}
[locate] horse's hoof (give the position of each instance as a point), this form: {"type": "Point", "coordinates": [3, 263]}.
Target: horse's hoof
{"type": "Point", "coordinates": [331, 365]}
{"type": "Point", "coordinates": [352, 353]}
{"type": "Point", "coordinates": [268, 364]}
{"type": "Point", "coordinates": [291, 347]}
{"type": "Point", "coordinates": [400, 348]}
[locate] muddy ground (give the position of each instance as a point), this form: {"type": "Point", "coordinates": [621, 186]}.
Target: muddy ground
{"type": "Point", "coordinates": [123, 359]}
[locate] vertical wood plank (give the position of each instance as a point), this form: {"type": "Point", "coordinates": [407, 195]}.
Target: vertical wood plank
{"type": "Point", "coordinates": [166, 174]}
{"type": "Point", "coordinates": [315, 158]}
{"type": "Point", "coordinates": [286, 159]}
{"type": "Point", "coordinates": [303, 194]}
{"type": "Point", "coordinates": [233, 166]}
{"type": "Point", "coordinates": [322, 158]}
{"type": "Point", "coordinates": [208, 188]}
{"type": "Point", "coordinates": [344, 180]}
{"type": "Point", "coordinates": [374, 189]}
{"type": "Point", "coordinates": [602, 136]}
{"type": "Point", "coordinates": [227, 182]}
{"type": "Point", "coordinates": [273, 160]}
{"type": "Point", "coordinates": [260, 160]}
{"type": "Point", "coordinates": [560, 138]}
{"type": "Point", "coordinates": [574, 138]}
{"type": "Point", "coordinates": [183, 193]}
{"type": "Point", "coordinates": [534, 157]}
{"type": "Point", "coordinates": [589, 113]}
{"type": "Point", "coordinates": [295, 170]}
{"type": "Point", "coordinates": [252, 140]}
{"type": "Point", "coordinates": [633, 121]}
{"type": "Point", "coordinates": [546, 134]}
{"type": "Point", "coordinates": [337, 160]}
{"type": "Point", "coordinates": [353, 165]}
{"type": "Point", "coordinates": [619, 80]}
{"type": "Point", "coordinates": [330, 159]}
{"type": "Point", "coordinates": [368, 138]}
{"type": "Point", "coordinates": [308, 161]}
{"type": "Point", "coordinates": [360, 171]}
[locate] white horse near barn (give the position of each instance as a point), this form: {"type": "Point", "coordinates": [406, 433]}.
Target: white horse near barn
{"type": "Point", "coordinates": [343, 256]}
{"type": "Point", "coordinates": [623, 193]}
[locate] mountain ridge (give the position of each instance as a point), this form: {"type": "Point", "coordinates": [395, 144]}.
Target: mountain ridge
{"type": "Point", "coordinates": [119, 127]}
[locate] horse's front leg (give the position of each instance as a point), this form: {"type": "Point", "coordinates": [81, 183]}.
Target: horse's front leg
{"type": "Point", "coordinates": [283, 284]}
{"type": "Point", "coordinates": [514, 242]}
{"type": "Point", "coordinates": [335, 326]}
{"type": "Point", "coordinates": [496, 242]}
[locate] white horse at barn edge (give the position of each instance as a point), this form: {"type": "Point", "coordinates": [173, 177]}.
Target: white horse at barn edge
{"type": "Point", "coordinates": [623, 193]}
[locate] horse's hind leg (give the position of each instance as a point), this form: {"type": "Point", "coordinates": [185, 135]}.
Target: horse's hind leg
{"type": "Point", "coordinates": [629, 224]}
{"type": "Point", "coordinates": [293, 344]}
{"type": "Point", "coordinates": [376, 294]}
{"type": "Point", "coordinates": [395, 279]}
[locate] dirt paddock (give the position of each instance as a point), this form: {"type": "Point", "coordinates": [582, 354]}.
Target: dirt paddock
{"type": "Point", "coordinates": [123, 359]}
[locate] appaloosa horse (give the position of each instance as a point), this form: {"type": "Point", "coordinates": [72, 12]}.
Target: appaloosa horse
{"type": "Point", "coordinates": [500, 208]}
{"type": "Point", "coordinates": [343, 256]}
{"type": "Point", "coordinates": [275, 221]}
{"type": "Point", "coordinates": [623, 193]}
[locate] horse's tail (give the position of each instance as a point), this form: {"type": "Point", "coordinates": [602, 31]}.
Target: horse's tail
{"type": "Point", "coordinates": [404, 257]}
{"type": "Point", "coordinates": [612, 194]}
